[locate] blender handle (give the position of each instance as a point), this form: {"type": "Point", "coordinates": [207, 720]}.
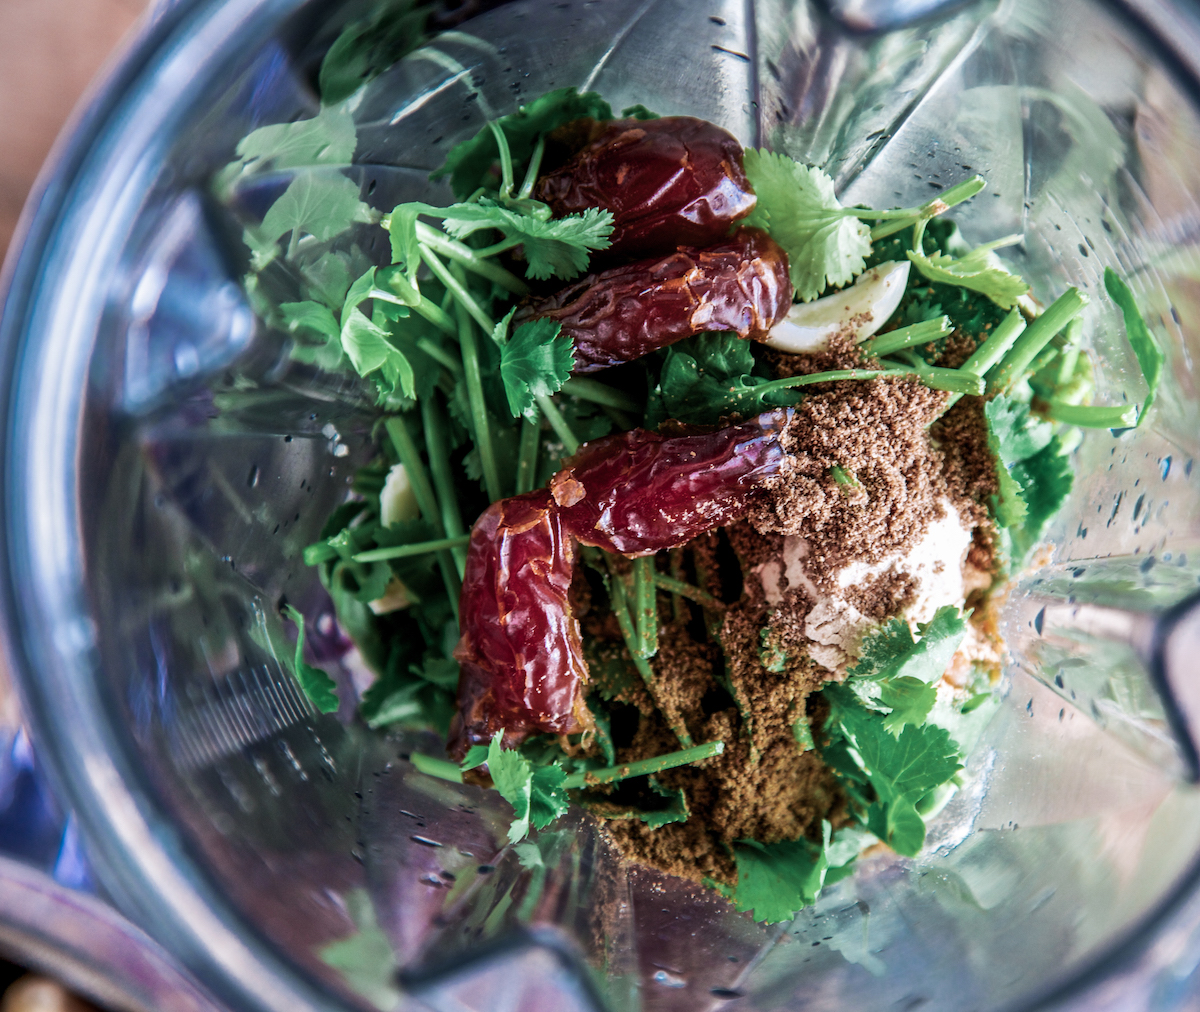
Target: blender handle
{"type": "Point", "coordinates": [1173, 658]}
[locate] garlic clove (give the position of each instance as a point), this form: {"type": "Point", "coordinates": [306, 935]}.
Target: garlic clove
{"type": "Point", "coordinates": [395, 597]}
{"type": "Point", "coordinates": [859, 310]}
{"type": "Point", "coordinates": [397, 500]}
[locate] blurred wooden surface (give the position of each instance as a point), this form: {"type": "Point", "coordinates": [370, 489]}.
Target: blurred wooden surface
{"type": "Point", "coordinates": [49, 51]}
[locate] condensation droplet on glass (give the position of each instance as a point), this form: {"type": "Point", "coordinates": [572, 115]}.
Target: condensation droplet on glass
{"type": "Point", "coordinates": [667, 979]}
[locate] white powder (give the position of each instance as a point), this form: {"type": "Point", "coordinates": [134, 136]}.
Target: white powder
{"type": "Point", "coordinates": [834, 627]}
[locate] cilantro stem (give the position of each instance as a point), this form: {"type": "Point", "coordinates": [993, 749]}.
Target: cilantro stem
{"type": "Point", "coordinates": [677, 608]}
{"type": "Point", "coordinates": [443, 482]}
{"type": "Point", "coordinates": [674, 586]}
{"type": "Point", "coordinates": [431, 766]}
{"type": "Point", "coordinates": [535, 163]}
{"type": "Point", "coordinates": [470, 259]}
{"type": "Point", "coordinates": [531, 431]}
{"type": "Point", "coordinates": [498, 247]}
{"type": "Point", "coordinates": [939, 379]}
{"type": "Point", "coordinates": [559, 424]}
{"type": "Point", "coordinates": [898, 220]}
{"type": "Point", "coordinates": [434, 313]}
{"type": "Point", "coordinates": [1093, 417]}
{"type": "Point", "coordinates": [427, 502]}
{"type": "Point", "coordinates": [647, 604]}
{"type": "Point", "coordinates": [619, 599]}
{"type": "Point", "coordinates": [454, 285]}
{"type": "Point", "coordinates": [644, 766]}
{"type": "Point", "coordinates": [1035, 337]}
{"type": "Point", "coordinates": [996, 344]}
{"type": "Point", "coordinates": [506, 164]}
{"type": "Point", "coordinates": [600, 393]}
{"type": "Point", "coordinates": [479, 412]}
{"type": "Point", "coordinates": [441, 356]}
{"type": "Point", "coordinates": [906, 337]}
{"type": "Point", "coordinates": [407, 551]}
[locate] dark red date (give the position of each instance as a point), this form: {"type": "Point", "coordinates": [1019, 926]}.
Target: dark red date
{"type": "Point", "coordinates": [520, 652]}
{"type": "Point", "coordinates": [675, 181]}
{"type": "Point", "coordinates": [739, 285]}
{"type": "Point", "coordinates": [637, 493]}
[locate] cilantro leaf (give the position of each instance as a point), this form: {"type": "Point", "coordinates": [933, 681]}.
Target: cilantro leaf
{"type": "Point", "coordinates": [1046, 479]}
{"type": "Point", "coordinates": [978, 270]}
{"type": "Point", "coordinates": [825, 243]}
{"type": "Point", "coordinates": [777, 880]}
{"type": "Point", "coordinates": [1013, 434]}
{"type": "Point", "coordinates": [890, 652]}
{"type": "Point", "coordinates": [402, 227]}
{"type": "Point", "coordinates": [709, 375]}
{"type": "Point", "coordinates": [469, 163]}
{"type": "Point", "coordinates": [318, 205]}
{"type": "Point", "coordinates": [535, 792]}
{"type": "Point", "coordinates": [1018, 434]}
{"type": "Point", "coordinates": [902, 769]}
{"type": "Point", "coordinates": [367, 345]}
{"type": "Point", "coordinates": [365, 959]}
{"type": "Point", "coordinates": [329, 138]}
{"type": "Point", "coordinates": [555, 248]}
{"type": "Point", "coordinates": [320, 689]}
{"type": "Point", "coordinates": [367, 47]}
{"type": "Point", "coordinates": [537, 361]}
{"type": "Point", "coordinates": [1145, 345]}
{"type": "Point", "coordinates": [313, 318]}
{"type": "Point", "coordinates": [910, 700]}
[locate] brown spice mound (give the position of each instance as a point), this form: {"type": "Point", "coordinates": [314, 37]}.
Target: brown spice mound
{"type": "Point", "coordinates": [742, 675]}
{"type": "Point", "coordinates": [875, 431]}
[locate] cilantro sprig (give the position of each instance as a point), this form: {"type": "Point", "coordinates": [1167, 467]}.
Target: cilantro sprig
{"type": "Point", "coordinates": [826, 243]}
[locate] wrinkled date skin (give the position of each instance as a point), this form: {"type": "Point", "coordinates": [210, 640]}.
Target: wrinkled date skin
{"type": "Point", "coordinates": [521, 655]}
{"type": "Point", "coordinates": [637, 493]}
{"type": "Point", "coordinates": [675, 181]}
{"type": "Point", "coordinates": [618, 315]}
{"type": "Point", "coordinates": [520, 651]}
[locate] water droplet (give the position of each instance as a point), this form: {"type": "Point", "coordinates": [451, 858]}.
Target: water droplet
{"type": "Point", "coordinates": [668, 979]}
{"type": "Point", "coordinates": [424, 841]}
{"type": "Point", "coordinates": [1166, 467]}
{"type": "Point", "coordinates": [252, 477]}
{"type": "Point", "coordinates": [724, 992]}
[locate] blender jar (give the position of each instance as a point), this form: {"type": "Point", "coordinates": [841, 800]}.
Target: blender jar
{"type": "Point", "coordinates": [166, 462]}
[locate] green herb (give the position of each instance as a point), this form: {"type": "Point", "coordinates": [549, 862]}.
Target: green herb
{"type": "Point", "coordinates": [366, 959]}
{"type": "Point", "coordinates": [1093, 416]}
{"type": "Point", "coordinates": [1145, 346]}
{"type": "Point", "coordinates": [901, 770]}
{"type": "Point", "coordinates": [910, 700]}
{"type": "Point", "coordinates": [329, 138]}
{"type": "Point", "coordinates": [320, 689]}
{"type": "Point", "coordinates": [553, 247]}
{"type": "Point", "coordinates": [469, 164]}
{"type": "Point", "coordinates": [1017, 433]}
{"type": "Point", "coordinates": [906, 337]}
{"type": "Point", "coordinates": [536, 362]}
{"type": "Point", "coordinates": [891, 652]}
{"type": "Point", "coordinates": [976, 270]}
{"type": "Point", "coordinates": [319, 205]}
{"type": "Point", "coordinates": [1014, 365]}
{"type": "Point", "coordinates": [367, 47]}
{"type": "Point", "coordinates": [825, 243]}
{"type": "Point", "coordinates": [1045, 478]}
{"type": "Point", "coordinates": [536, 793]}
{"type": "Point", "coordinates": [776, 880]}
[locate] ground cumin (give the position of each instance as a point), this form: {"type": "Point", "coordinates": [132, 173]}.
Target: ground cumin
{"type": "Point", "coordinates": [740, 672]}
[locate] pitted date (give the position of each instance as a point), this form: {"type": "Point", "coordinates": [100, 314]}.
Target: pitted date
{"type": "Point", "coordinates": [637, 493]}
{"type": "Point", "coordinates": [675, 181]}
{"type": "Point", "coordinates": [618, 315]}
{"type": "Point", "coordinates": [520, 651]}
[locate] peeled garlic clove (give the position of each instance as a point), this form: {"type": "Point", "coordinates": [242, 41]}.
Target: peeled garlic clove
{"type": "Point", "coordinates": [397, 500]}
{"type": "Point", "coordinates": [859, 311]}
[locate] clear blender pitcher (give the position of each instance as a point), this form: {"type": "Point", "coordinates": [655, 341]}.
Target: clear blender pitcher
{"type": "Point", "coordinates": [166, 462]}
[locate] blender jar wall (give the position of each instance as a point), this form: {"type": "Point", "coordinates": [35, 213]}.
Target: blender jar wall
{"type": "Point", "coordinates": [168, 462]}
